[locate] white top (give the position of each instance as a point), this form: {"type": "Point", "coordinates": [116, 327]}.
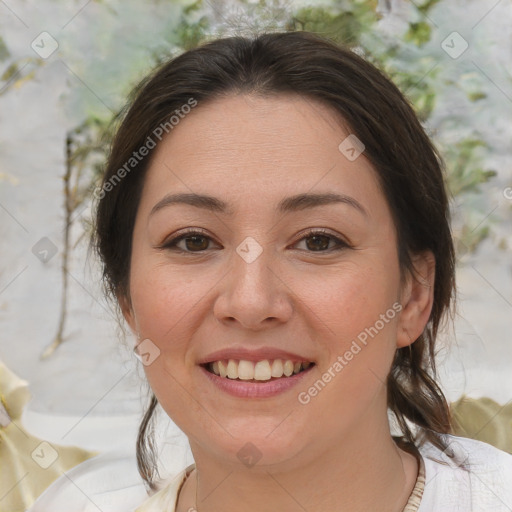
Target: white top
{"type": "Point", "coordinates": [112, 485]}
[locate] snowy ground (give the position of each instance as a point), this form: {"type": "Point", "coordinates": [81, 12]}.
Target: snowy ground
{"type": "Point", "coordinates": [88, 393]}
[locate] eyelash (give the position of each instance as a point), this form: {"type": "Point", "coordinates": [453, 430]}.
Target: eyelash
{"type": "Point", "coordinates": [172, 244]}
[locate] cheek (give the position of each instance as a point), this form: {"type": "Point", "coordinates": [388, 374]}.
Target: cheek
{"type": "Point", "coordinates": [352, 298]}
{"type": "Point", "coordinates": [170, 305]}
{"type": "Point", "coordinates": [166, 304]}
{"type": "Point", "coordinates": [357, 314]}
{"type": "Point", "coordinates": [164, 298]}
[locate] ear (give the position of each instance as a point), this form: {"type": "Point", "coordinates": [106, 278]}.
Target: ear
{"type": "Point", "coordinates": [126, 309]}
{"type": "Point", "coordinates": [417, 298]}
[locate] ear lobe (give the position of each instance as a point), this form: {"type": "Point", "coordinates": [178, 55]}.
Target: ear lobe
{"type": "Point", "coordinates": [417, 299]}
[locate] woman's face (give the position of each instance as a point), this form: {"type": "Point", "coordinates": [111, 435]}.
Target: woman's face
{"type": "Point", "coordinates": [256, 279]}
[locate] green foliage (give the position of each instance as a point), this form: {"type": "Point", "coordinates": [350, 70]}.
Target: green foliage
{"type": "Point", "coordinates": [18, 72]}
{"type": "Point", "coordinates": [424, 7]}
{"type": "Point", "coordinates": [344, 25]}
{"type": "Point", "coordinates": [89, 144]}
{"type": "Point", "coordinates": [191, 33]}
{"type": "Point", "coordinates": [4, 52]}
{"type": "Point", "coordinates": [418, 86]}
{"type": "Point", "coordinates": [469, 239]}
{"type": "Point", "coordinates": [466, 174]}
{"type": "Point", "coordinates": [10, 72]}
{"type": "Point", "coordinates": [418, 33]}
{"type": "Point", "coordinates": [465, 169]}
{"type": "Point", "coordinates": [476, 96]}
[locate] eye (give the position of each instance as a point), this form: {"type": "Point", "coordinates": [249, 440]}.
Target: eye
{"type": "Point", "coordinates": [197, 241]}
{"type": "Point", "coordinates": [194, 241]}
{"type": "Point", "coordinates": [319, 240]}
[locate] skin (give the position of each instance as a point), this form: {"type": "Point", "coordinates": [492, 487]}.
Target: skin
{"type": "Point", "coordinates": [336, 452]}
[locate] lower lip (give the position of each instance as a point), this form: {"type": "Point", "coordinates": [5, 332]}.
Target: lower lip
{"type": "Point", "coordinates": [242, 389]}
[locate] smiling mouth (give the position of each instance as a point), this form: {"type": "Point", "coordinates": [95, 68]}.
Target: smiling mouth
{"type": "Point", "coordinates": [260, 371]}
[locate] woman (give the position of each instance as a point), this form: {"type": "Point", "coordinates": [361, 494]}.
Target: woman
{"type": "Point", "coordinates": [274, 226]}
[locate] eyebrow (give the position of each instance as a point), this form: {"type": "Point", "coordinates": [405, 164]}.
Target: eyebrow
{"type": "Point", "coordinates": [288, 204]}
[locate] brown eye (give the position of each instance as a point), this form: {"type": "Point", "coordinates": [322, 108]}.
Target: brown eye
{"type": "Point", "coordinates": [318, 242]}
{"type": "Point", "coordinates": [189, 242]}
{"type": "Point", "coordinates": [197, 242]}
{"type": "Point", "coordinates": [193, 243]}
{"type": "Point", "coordinates": [321, 241]}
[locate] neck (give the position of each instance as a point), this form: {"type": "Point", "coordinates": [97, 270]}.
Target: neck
{"type": "Point", "coordinates": [364, 470]}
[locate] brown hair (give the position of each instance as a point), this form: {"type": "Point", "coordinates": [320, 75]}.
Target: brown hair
{"type": "Point", "coordinates": [409, 169]}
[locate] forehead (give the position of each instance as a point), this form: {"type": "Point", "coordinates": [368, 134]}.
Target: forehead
{"type": "Point", "coordinates": [258, 147]}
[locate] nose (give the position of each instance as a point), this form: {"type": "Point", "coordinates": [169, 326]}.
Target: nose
{"type": "Point", "coordinates": [253, 294]}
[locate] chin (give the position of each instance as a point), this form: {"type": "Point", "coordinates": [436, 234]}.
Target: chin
{"type": "Point", "coordinates": [257, 446]}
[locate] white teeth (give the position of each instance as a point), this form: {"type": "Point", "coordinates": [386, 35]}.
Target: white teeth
{"type": "Point", "coordinates": [245, 370]}
{"type": "Point", "coordinates": [288, 368]}
{"type": "Point", "coordinates": [232, 369]}
{"type": "Point", "coordinates": [223, 372]}
{"type": "Point", "coordinates": [277, 368]}
{"type": "Point", "coordinates": [261, 370]}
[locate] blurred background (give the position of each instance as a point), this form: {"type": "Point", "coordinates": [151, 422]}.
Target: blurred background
{"type": "Point", "coordinates": [66, 69]}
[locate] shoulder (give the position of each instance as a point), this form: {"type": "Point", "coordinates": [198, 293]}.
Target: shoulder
{"type": "Point", "coordinates": [108, 482]}
{"type": "Point", "coordinates": [468, 476]}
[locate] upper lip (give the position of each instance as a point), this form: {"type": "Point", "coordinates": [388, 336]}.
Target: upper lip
{"type": "Point", "coordinates": [246, 354]}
